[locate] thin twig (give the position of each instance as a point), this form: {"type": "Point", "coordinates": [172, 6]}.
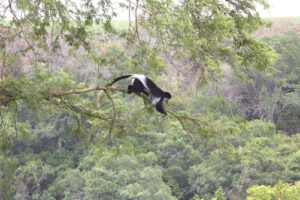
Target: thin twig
{"type": "Point", "coordinates": [177, 117]}
{"type": "Point", "coordinates": [78, 126]}
{"type": "Point", "coordinates": [114, 114]}
{"type": "Point", "coordinates": [2, 121]}
{"type": "Point", "coordinates": [15, 120]}
{"type": "Point", "coordinates": [129, 17]}
{"type": "Point", "coordinates": [136, 22]}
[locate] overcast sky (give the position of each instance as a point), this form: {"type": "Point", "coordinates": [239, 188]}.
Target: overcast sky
{"type": "Point", "coordinates": [282, 8]}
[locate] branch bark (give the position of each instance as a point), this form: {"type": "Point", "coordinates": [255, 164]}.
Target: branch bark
{"type": "Point", "coordinates": [85, 90]}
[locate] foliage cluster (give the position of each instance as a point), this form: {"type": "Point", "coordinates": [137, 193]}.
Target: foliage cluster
{"type": "Point", "coordinates": [159, 161]}
{"type": "Point", "coordinates": [56, 144]}
{"type": "Point", "coordinates": [274, 98]}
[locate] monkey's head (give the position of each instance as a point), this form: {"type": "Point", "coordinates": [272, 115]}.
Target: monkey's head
{"type": "Point", "coordinates": [166, 97]}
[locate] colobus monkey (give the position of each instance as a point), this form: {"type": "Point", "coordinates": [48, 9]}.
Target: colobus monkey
{"type": "Point", "coordinates": [142, 84]}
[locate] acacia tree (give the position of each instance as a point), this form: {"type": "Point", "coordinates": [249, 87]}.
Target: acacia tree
{"type": "Point", "coordinates": [200, 34]}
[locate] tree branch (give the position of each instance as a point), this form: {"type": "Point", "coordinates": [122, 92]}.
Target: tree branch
{"type": "Point", "coordinates": [85, 90]}
{"type": "Point", "coordinates": [55, 97]}
{"type": "Point", "coordinates": [181, 118]}
{"type": "Point", "coordinates": [114, 114]}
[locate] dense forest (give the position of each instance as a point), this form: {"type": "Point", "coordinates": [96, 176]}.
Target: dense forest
{"type": "Point", "coordinates": [232, 129]}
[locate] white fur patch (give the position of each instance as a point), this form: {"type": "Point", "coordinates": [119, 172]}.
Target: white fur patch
{"type": "Point", "coordinates": [154, 100]}
{"type": "Point", "coordinates": [142, 78]}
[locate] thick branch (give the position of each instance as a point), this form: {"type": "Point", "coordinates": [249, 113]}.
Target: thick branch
{"type": "Point", "coordinates": [85, 90]}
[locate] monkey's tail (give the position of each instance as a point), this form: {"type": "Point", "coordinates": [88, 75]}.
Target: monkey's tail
{"type": "Point", "coordinates": [119, 78]}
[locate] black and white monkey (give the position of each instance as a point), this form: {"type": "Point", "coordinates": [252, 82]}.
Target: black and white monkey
{"type": "Point", "coordinates": [142, 84]}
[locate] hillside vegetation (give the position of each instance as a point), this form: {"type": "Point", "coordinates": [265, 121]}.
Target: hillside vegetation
{"type": "Point", "coordinates": [232, 129]}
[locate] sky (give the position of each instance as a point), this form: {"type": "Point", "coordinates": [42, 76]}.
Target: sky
{"type": "Point", "coordinates": [282, 8]}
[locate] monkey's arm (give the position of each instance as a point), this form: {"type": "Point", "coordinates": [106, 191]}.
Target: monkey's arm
{"type": "Point", "coordinates": [160, 108]}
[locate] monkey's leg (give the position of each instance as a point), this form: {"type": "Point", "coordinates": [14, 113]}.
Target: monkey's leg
{"type": "Point", "coordinates": [137, 87]}
{"type": "Point", "coordinates": [130, 90]}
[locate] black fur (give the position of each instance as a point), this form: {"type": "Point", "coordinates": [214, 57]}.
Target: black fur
{"type": "Point", "coordinates": [137, 87]}
{"type": "Point", "coordinates": [151, 90]}
{"type": "Point", "coordinates": [120, 78]}
{"type": "Point", "coordinates": [159, 107]}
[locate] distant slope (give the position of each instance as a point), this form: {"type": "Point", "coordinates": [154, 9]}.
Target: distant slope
{"type": "Point", "coordinates": [280, 26]}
